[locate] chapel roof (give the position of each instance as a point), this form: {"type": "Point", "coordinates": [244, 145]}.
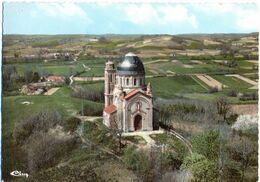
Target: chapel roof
{"type": "Point", "coordinates": [131, 65]}
{"type": "Point", "coordinates": [133, 93]}
{"type": "Point", "coordinates": [110, 109]}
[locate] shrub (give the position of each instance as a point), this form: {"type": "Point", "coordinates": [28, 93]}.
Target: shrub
{"type": "Point", "coordinates": [45, 150]}
{"type": "Point", "coordinates": [232, 93]}
{"type": "Point", "coordinates": [249, 96]}
{"type": "Point", "coordinates": [203, 170]}
{"type": "Point", "coordinates": [213, 90]}
{"type": "Point", "coordinates": [207, 144]}
{"type": "Point", "coordinates": [40, 121]}
{"type": "Point", "coordinates": [100, 134]}
{"type": "Point", "coordinates": [91, 110]}
{"type": "Point", "coordinates": [50, 43]}
{"type": "Point", "coordinates": [135, 160]}
{"type": "Point", "coordinates": [71, 124]}
{"type": "Point", "coordinates": [89, 93]}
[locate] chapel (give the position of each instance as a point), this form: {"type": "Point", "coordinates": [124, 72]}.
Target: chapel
{"type": "Point", "coordinates": [128, 100]}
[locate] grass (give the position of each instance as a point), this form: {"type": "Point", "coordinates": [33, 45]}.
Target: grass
{"type": "Point", "coordinates": [56, 68]}
{"type": "Point", "coordinates": [186, 87]}
{"type": "Point", "coordinates": [245, 63]}
{"type": "Point", "coordinates": [196, 68]}
{"type": "Point", "coordinates": [213, 97]}
{"type": "Point", "coordinates": [14, 110]}
{"type": "Point", "coordinates": [97, 85]}
{"type": "Point", "coordinates": [136, 139]}
{"type": "Point", "coordinates": [168, 87]}
{"type": "Point", "coordinates": [94, 71]}
{"type": "Point", "coordinates": [91, 61]}
{"type": "Point", "coordinates": [63, 68]}
{"type": "Point", "coordinates": [232, 82]}
{"type": "Point", "coordinates": [167, 139]}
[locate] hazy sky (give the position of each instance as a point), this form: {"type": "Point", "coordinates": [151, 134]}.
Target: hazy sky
{"type": "Point", "coordinates": [127, 18]}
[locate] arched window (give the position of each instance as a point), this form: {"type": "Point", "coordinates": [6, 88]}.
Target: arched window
{"type": "Point", "coordinates": [127, 81]}
{"type": "Point", "coordinates": [134, 81]}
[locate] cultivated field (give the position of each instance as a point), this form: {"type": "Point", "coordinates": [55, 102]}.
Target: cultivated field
{"type": "Point", "coordinates": [189, 72]}
{"type": "Point", "coordinates": [211, 82]}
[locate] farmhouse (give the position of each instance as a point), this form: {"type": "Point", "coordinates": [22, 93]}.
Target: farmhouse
{"type": "Point", "coordinates": [56, 79]}
{"type": "Point", "coordinates": [128, 100]}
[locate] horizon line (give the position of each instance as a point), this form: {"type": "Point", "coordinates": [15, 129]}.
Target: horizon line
{"type": "Point", "coordinates": [136, 33]}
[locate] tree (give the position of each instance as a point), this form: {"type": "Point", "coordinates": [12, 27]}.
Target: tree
{"type": "Point", "coordinates": [35, 77]}
{"type": "Point", "coordinates": [203, 170]}
{"type": "Point", "coordinates": [223, 108]}
{"type": "Point", "coordinates": [207, 144]}
{"type": "Point", "coordinates": [10, 76]}
{"type": "Point", "coordinates": [36, 122]}
{"type": "Point", "coordinates": [45, 150]}
{"type": "Point", "coordinates": [135, 160]}
{"type": "Point", "coordinates": [28, 75]}
{"type": "Point", "coordinates": [118, 131]}
{"type": "Point", "coordinates": [17, 54]}
{"type": "Point", "coordinates": [166, 115]}
{"type": "Point", "coordinates": [103, 40]}
{"type": "Point", "coordinates": [242, 150]}
{"type": "Point", "coordinates": [71, 124]}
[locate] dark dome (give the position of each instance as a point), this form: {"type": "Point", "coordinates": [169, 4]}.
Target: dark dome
{"type": "Point", "coordinates": [131, 65]}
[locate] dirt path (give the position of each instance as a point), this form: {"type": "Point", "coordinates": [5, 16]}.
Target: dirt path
{"type": "Point", "coordinates": [252, 61]}
{"type": "Point", "coordinates": [89, 118]}
{"type": "Point", "coordinates": [156, 61]}
{"type": "Point", "coordinates": [197, 81]}
{"type": "Point", "coordinates": [145, 135]}
{"type": "Point", "coordinates": [252, 82]}
{"type": "Point", "coordinates": [245, 109]}
{"type": "Point", "coordinates": [183, 139]}
{"type": "Point", "coordinates": [51, 91]}
{"type": "Point", "coordinates": [211, 82]}
{"type": "Point", "coordinates": [88, 78]}
{"type": "Point", "coordinates": [71, 79]}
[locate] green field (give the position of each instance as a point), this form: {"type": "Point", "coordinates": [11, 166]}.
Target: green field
{"type": "Point", "coordinates": [14, 110]}
{"type": "Point", "coordinates": [94, 71]}
{"type": "Point", "coordinates": [191, 68]}
{"type": "Point", "coordinates": [55, 68]}
{"type": "Point", "coordinates": [98, 85]}
{"type": "Point", "coordinates": [232, 82]}
{"type": "Point", "coordinates": [186, 87]}
{"type": "Point", "coordinates": [168, 87]}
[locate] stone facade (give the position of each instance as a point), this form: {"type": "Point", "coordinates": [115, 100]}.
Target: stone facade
{"type": "Point", "coordinates": [128, 100]}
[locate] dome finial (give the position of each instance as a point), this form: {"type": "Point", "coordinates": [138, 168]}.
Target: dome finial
{"type": "Point", "coordinates": [130, 54]}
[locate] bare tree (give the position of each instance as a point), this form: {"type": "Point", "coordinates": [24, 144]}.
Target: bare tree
{"type": "Point", "coordinates": [244, 149]}
{"type": "Point", "coordinates": [118, 131]}
{"type": "Point", "coordinates": [223, 108]}
{"type": "Point", "coordinates": [247, 151]}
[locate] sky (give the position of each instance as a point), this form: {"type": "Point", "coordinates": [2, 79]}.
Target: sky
{"type": "Point", "coordinates": [129, 18]}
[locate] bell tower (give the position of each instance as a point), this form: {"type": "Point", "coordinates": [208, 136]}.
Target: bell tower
{"type": "Point", "coordinates": [110, 77]}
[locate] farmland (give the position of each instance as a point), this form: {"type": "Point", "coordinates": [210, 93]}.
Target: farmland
{"type": "Point", "coordinates": [60, 101]}
{"type": "Point", "coordinates": [172, 61]}
{"type": "Point", "coordinates": [173, 66]}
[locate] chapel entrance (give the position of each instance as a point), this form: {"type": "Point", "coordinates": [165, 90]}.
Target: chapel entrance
{"type": "Point", "coordinates": [138, 122]}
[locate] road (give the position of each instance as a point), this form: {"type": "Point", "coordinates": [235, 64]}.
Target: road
{"type": "Point", "coordinates": [183, 139]}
